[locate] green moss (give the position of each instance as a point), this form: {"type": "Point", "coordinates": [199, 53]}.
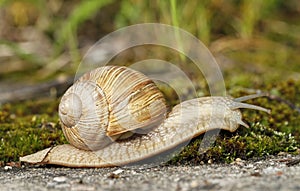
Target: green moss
{"type": "Point", "coordinates": [258, 141]}
{"type": "Point", "coordinates": [27, 127]}
{"type": "Point", "coordinates": [284, 102]}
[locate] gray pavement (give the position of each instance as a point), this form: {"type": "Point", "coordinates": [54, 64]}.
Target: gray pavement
{"type": "Point", "coordinates": [272, 173]}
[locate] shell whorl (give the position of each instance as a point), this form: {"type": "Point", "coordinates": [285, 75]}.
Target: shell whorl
{"type": "Point", "coordinates": [83, 112]}
{"type": "Point", "coordinates": [70, 109]}
{"type": "Point", "coordinates": [110, 103]}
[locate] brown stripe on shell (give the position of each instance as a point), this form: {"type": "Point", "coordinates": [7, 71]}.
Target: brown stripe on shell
{"type": "Point", "coordinates": [133, 102]}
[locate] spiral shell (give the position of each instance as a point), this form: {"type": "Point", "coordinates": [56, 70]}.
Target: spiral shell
{"type": "Point", "coordinates": [108, 104]}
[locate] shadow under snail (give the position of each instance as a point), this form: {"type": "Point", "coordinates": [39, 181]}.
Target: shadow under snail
{"type": "Point", "coordinates": [115, 115]}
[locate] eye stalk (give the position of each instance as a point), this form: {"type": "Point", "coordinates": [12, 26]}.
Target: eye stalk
{"type": "Point", "coordinates": [236, 104]}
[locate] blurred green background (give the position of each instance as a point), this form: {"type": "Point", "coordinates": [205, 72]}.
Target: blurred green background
{"type": "Point", "coordinates": [45, 38]}
{"type": "Point", "coordinates": [256, 44]}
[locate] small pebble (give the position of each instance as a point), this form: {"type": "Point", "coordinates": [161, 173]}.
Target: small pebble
{"type": "Point", "coordinates": [7, 168]}
{"type": "Point", "coordinates": [60, 179]}
{"type": "Point", "coordinates": [238, 160]}
{"type": "Point", "coordinates": [194, 184]}
{"type": "Point", "coordinates": [250, 166]}
{"type": "Point", "coordinates": [119, 171]}
{"type": "Point", "coordinates": [115, 174]}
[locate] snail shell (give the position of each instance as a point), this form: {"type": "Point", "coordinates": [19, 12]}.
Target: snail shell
{"type": "Point", "coordinates": [108, 104]}
{"type": "Point", "coordinates": [105, 108]}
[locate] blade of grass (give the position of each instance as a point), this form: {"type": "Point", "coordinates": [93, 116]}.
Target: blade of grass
{"type": "Point", "coordinates": [175, 23]}
{"type": "Point", "coordinates": [82, 12]}
{"type": "Point", "coordinates": [23, 55]}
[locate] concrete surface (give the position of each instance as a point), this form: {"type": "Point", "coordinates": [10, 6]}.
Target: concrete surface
{"type": "Point", "coordinates": [272, 173]}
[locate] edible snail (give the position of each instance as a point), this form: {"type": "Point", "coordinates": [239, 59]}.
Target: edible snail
{"type": "Point", "coordinates": [115, 115]}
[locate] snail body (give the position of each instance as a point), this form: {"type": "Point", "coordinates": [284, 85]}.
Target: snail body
{"type": "Point", "coordinates": [114, 116]}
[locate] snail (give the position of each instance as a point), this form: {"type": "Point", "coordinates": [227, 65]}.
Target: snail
{"type": "Point", "coordinates": [114, 115]}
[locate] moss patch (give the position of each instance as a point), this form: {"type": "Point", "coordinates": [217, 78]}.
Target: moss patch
{"type": "Point", "coordinates": [27, 127]}
{"type": "Point", "coordinates": [258, 141]}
